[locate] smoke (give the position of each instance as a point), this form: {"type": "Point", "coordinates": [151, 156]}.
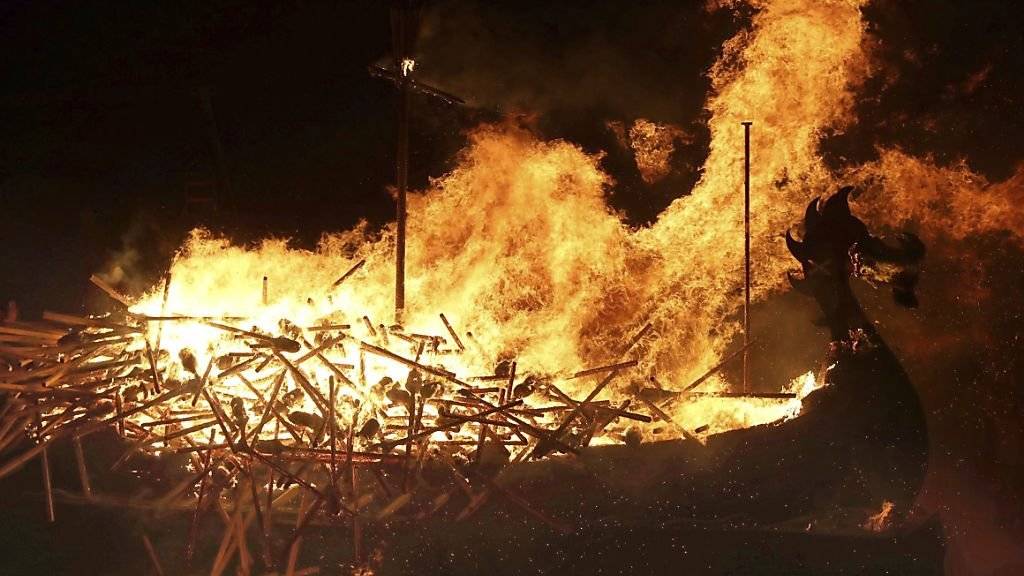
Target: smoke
{"type": "Point", "coordinates": [946, 85]}
{"type": "Point", "coordinates": [147, 245]}
{"type": "Point", "coordinates": [576, 67]}
{"type": "Point", "coordinates": [623, 60]}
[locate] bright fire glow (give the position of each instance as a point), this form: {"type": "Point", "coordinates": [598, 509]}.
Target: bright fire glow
{"type": "Point", "coordinates": [882, 520]}
{"type": "Point", "coordinates": [408, 65]}
{"type": "Point", "coordinates": [517, 245]}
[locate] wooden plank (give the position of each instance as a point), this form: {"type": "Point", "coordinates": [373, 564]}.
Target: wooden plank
{"type": "Point", "coordinates": [714, 369]}
{"type": "Point", "coordinates": [350, 272]}
{"type": "Point", "coordinates": [608, 368]}
{"type": "Point", "coordinates": [109, 290]}
{"type": "Point", "coordinates": [455, 336]}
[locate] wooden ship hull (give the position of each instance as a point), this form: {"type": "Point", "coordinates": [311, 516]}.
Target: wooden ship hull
{"type": "Point", "coordinates": [859, 443]}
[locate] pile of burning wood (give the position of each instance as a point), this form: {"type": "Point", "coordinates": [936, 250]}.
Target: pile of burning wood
{"type": "Point", "coordinates": [323, 423]}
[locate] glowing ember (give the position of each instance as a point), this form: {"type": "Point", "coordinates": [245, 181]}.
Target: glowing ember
{"type": "Point", "coordinates": [881, 521]}
{"type": "Point", "coordinates": [408, 65]}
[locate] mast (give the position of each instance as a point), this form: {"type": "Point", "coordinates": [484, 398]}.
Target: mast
{"type": "Point", "coordinates": [404, 28]}
{"type": "Point", "coordinates": [403, 184]}
{"type": "Point", "coordinates": [206, 98]}
{"type": "Point", "coordinates": [746, 253]}
{"type": "Point", "coordinates": [405, 20]}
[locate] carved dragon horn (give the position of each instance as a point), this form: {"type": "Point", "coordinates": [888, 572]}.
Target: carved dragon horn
{"type": "Point", "coordinates": [811, 214]}
{"type": "Point", "coordinates": [797, 248]}
{"type": "Point", "coordinates": [838, 205]}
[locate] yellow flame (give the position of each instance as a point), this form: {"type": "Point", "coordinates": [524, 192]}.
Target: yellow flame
{"type": "Point", "coordinates": [518, 246]}
{"type": "Point", "coordinates": [408, 65]}
{"type": "Point", "coordinates": [880, 521]}
{"type": "Point", "coordinates": [653, 145]}
{"type": "Point", "coordinates": [951, 201]}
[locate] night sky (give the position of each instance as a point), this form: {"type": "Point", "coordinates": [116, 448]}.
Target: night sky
{"type": "Point", "coordinates": [104, 134]}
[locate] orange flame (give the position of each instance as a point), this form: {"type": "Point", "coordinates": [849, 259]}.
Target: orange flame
{"type": "Point", "coordinates": [882, 520]}
{"type": "Point", "coordinates": [518, 246]}
{"type": "Point", "coordinates": [653, 145]}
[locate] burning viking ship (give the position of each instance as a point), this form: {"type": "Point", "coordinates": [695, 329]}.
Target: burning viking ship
{"type": "Point", "coordinates": [374, 435]}
{"type": "Point", "coordinates": [859, 440]}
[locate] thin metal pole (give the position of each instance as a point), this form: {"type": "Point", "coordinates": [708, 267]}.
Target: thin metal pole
{"type": "Point", "coordinates": [746, 253]}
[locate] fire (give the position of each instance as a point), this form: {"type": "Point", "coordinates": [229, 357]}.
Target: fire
{"type": "Point", "coordinates": [723, 414]}
{"type": "Point", "coordinates": [525, 289]}
{"type": "Point", "coordinates": [555, 290]}
{"type": "Point", "coordinates": [882, 520]}
{"type": "Point", "coordinates": [408, 65]}
{"type": "Point", "coordinates": [653, 145]}
{"type": "Point", "coordinates": [950, 201]}
{"type": "Point", "coordinates": [518, 247]}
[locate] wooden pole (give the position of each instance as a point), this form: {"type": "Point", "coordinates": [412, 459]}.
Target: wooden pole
{"type": "Point", "coordinates": [403, 182]}
{"type": "Point", "coordinates": [746, 253]}
{"type": "Point", "coordinates": [206, 99]}
{"type": "Point", "coordinates": [83, 471]}
{"type": "Point", "coordinates": [333, 431]}
{"type": "Point", "coordinates": [405, 17]}
{"type": "Point", "coordinates": [163, 308]}
{"type": "Point", "coordinates": [48, 487]}
{"type": "Point", "coordinates": [151, 552]}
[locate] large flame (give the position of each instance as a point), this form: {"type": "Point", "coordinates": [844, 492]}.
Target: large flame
{"type": "Point", "coordinates": [950, 201]}
{"type": "Point", "coordinates": [518, 247]}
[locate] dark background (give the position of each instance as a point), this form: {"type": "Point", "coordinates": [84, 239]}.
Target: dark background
{"type": "Point", "coordinates": [104, 134]}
